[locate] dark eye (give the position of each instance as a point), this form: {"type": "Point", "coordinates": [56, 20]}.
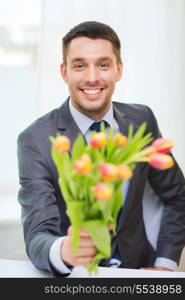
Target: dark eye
{"type": "Point", "coordinates": [79, 66]}
{"type": "Point", "coordinates": [104, 66]}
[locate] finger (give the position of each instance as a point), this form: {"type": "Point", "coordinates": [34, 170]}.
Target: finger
{"type": "Point", "coordinates": [82, 261]}
{"type": "Point", "coordinates": [86, 242]}
{"type": "Point", "coordinates": [69, 230]}
{"type": "Point", "coordinates": [86, 252]}
{"type": "Point", "coordinates": [163, 269]}
{"type": "Point", "coordinates": [82, 232]}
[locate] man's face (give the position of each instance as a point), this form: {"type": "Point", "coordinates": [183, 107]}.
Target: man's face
{"type": "Point", "coordinates": [91, 72]}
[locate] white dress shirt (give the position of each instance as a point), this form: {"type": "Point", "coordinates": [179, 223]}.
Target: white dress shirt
{"type": "Point", "coordinates": [151, 204]}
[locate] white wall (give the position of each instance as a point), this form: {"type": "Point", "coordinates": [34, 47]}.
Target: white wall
{"type": "Point", "coordinates": [19, 37]}
{"type": "Point", "coordinates": [152, 33]}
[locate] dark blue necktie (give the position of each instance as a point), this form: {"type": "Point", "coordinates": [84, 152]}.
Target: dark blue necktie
{"type": "Point", "coordinates": [96, 125]}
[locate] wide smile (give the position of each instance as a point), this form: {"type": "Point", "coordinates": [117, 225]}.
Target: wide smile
{"type": "Point", "coordinates": [92, 93]}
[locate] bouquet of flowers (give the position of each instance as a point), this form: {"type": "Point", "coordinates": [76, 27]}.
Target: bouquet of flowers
{"type": "Point", "coordinates": [91, 176]}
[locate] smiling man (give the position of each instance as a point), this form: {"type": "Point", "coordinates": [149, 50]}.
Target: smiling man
{"type": "Point", "coordinates": [91, 68]}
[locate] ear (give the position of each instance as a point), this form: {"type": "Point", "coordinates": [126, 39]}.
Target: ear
{"type": "Point", "coordinates": [63, 72]}
{"type": "Point", "coordinates": [119, 70]}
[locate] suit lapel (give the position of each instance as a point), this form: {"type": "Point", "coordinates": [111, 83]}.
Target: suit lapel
{"type": "Point", "coordinates": [121, 119]}
{"type": "Point", "coordinates": [123, 122]}
{"type": "Point", "coordinates": [128, 201]}
{"type": "Point", "coordinates": [66, 124]}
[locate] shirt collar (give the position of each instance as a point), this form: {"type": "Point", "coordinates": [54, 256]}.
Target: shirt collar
{"type": "Point", "coordinates": [84, 122]}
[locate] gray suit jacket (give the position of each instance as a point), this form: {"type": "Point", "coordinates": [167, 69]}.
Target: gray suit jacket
{"type": "Point", "coordinates": [43, 207]}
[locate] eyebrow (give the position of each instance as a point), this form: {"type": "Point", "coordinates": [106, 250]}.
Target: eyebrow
{"type": "Point", "coordinates": [77, 59]}
{"type": "Point", "coordinates": [103, 58]}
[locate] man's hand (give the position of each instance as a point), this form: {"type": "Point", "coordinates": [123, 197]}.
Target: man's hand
{"type": "Point", "coordinates": [86, 250]}
{"type": "Point", "coordinates": [157, 269]}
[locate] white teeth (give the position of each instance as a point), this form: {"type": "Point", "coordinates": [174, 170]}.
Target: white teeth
{"type": "Point", "coordinates": [92, 92]}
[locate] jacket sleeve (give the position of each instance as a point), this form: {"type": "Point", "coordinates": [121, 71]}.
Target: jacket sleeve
{"type": "Point", "coordinates": [40, 214]}
{"type": "Point", "coordinates": [169, 185]}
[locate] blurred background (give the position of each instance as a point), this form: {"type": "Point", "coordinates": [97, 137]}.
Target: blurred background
{"type": "Point", "coordinates": [152, 33]}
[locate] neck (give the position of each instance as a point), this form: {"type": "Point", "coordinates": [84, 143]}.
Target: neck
{"type": "Point", "coordinates": [94, 115]}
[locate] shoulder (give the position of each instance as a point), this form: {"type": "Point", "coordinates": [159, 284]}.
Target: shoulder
{"type": "Point", "coordinates": [139, 113]}
{"type": "Point", "coordinates": [44, 125]}
{"type": "Point", "coordinates": [133, 109]}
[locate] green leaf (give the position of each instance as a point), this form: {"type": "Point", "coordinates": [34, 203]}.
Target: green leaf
{"type": "Point", "coordinates": [78, 147]}
{"type": "Point", "coordinates": [102, 126]}
{"type": "Point", "coordinates": [115, 156]}
{"type": "Point", "coordinates": [93, 266]}
{"type": "Point", "coordinates": [58, 160]}
{"type": "Point", "coordinates": [111, 147]}
{"type": "Point", "coordinates": [95, 155]}
{"type": "Point", "coordinates": [135, 143]}
{"type": "Point", "coordinates": [100, 235]}
{"type": "Point", "coordinates": [67, 185]}
{"type": "Point", "coordinates": [64, 187]}
{"type": "Point", "coordinates": [94, 212]}
{"type": "Point", "coordinates": [51, 138]}
{"type": "Point", "coordinates": [106, 209]}
{"type": "Point", "coordinates": [111, 133]}
{"type": "Point", "coordinates": [130, 131]}
{"type": "Point", "coordinates": [75, 213]}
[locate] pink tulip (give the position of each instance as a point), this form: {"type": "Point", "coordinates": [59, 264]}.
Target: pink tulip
{"type": "Point", "coordinates": [108, 171]}
{"type": "Point", "coordinates": [102, 192]}
{"type": "Point", "coordinates": [61, 144]}
{"type": "Point", "coordinates": [124, 172]}
{"type": "Point", "coordinates": [98, 140]}
{"type": "Point", "coordinates": [83, 165]}
{"type": "Point", "coordinates": [161, 161]}
{"type": "Point", "coordinates": [120, 139]}
{"type": "Point", "coordinates": [149, 150]}
{"type": "Point", "coordinates": [163, 145]}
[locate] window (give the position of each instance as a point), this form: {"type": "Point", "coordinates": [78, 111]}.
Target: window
{"type": "Point", "coordinates": [19, 43]}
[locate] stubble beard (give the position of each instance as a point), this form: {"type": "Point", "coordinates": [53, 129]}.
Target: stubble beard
{"type": "Point", "coordinates": [95, 113]}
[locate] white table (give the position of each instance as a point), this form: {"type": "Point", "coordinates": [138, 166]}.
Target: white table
{"type": "Point", "coordinates": [25, 269]}
{"type": "Point", "coordinates": [19, 268]}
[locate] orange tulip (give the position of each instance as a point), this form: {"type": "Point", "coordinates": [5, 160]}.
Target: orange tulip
{"type": "Point", "coordinates": [163, 145]}
{"type": "Point", "coordinates": [120, 139]}
{"type": "Point", "coordinates": [124, 172]}
{"type": "Point", "coordinates": [61, 144]}
{"type": "Point", "coordinates": [98, 140]}
{"type": "Point", "coordinates": [102, 192]}
{"type": "Point", "coordinates": [108, 171]}
{"type": "Point", "coordinates": [161, 161]}
{"type": "Point", "coordinates": [83, 165]}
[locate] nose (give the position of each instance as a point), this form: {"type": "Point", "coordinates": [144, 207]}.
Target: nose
{"type": "Point", "coordinates": [92, 75]}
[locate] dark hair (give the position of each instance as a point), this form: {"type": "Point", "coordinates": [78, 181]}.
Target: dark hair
{"type": "Point", "coordinates": [93, 30]}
